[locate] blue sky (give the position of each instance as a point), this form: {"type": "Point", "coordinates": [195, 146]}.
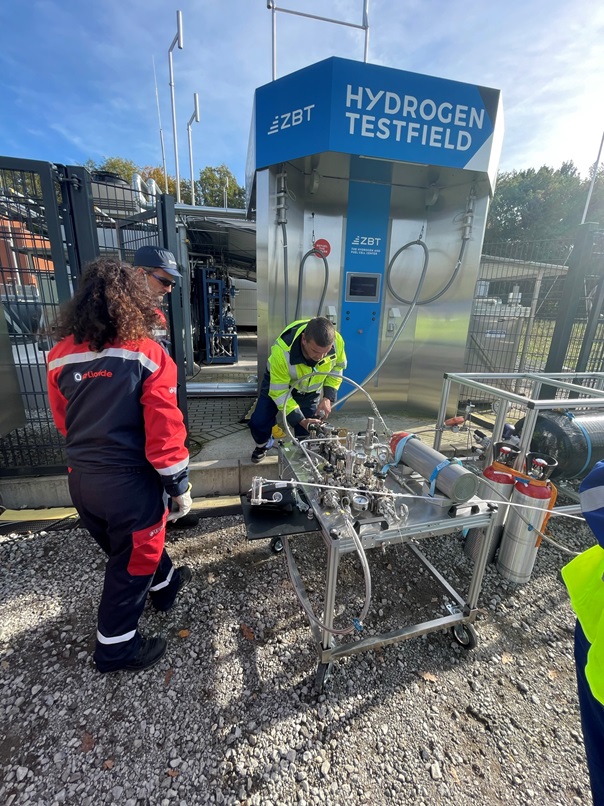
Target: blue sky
{"type": "Point", "coordinates": [77, 75]}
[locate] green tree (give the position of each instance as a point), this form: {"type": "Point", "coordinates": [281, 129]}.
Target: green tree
{"type": "Point", "coordinates": [542, 204]}
{"type": "Point", "coordinates": [157, 173]}
{"type": "Point", "coordinates": [209, 189]}
{"type": "Point", "coordinates": [117, 165]}
{"type": "Point", "coordinates": [213, 182]}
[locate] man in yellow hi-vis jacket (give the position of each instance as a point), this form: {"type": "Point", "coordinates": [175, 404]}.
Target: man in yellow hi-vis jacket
{"type": "Point", "coordinates": [584, 578]}
{"type": "Point", "coordinates": [307, 347]}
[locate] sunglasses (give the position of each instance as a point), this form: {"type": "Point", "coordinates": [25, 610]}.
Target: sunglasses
{"type": "Point", "coordinates": [163, 280]}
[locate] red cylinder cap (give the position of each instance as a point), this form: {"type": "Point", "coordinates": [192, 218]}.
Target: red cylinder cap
{"type": "Point", "coordinates": [396, 438]}
{"type": "Point", "coordinates": [539, 491]}
{"type": "Point", "coordinates": [497, 476]}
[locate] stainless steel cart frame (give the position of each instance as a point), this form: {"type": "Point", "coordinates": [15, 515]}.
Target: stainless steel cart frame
{"type": "Point", "coordinates": [426, 518]}
{"type": "Point", "coordinates": [568, 390]}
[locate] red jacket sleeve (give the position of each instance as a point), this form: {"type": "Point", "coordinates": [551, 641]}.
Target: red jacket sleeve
{"type": "Point", "coordinates": [58, 403]}
{"type": "Point", "coordinates": [165, 432]}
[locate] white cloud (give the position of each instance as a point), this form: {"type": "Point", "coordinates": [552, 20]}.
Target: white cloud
{"type": "Point", "coordinates": [78, 77]}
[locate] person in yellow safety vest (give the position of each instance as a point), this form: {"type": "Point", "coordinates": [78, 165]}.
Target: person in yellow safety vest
{"type": "Point", "coordinates": [584, 579]}
{"type": "Point", "coordinates": [307, 347]}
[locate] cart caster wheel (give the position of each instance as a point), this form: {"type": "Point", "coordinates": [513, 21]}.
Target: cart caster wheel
{"type": "Point", "coordinates": [323, 676]}
{"type": "Point", "coordinates": [465, 635]}
{"type": "Point", "coordinates": [276, 545]}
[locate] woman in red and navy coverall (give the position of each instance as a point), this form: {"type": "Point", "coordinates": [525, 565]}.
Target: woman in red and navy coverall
{"type": "Point", "coordinates": [112, 391]}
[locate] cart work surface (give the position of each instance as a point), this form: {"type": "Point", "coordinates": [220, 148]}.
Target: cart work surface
{"type": "Point", "coordinates": [230, 715]}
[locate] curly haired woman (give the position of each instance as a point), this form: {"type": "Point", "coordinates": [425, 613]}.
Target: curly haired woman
{"type": "Point", "coordinates": [112, 391]}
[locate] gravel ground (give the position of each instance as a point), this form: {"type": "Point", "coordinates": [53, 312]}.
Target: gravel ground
{"type": "Point", "coordinates": [230, 714]}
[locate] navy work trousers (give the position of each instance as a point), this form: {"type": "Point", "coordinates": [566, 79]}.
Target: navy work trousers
{"type": "Point", "coordinates": [125, 512]}
{"type": "Point", "coordinates": [592, 720]}
{"type": "Point", "coordinates": [264, 416]}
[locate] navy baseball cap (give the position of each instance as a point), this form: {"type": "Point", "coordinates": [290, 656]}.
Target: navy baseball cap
{"type": "Point", "coordinates": [153, 257]}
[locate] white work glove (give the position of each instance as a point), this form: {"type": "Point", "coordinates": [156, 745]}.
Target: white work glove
{"type": "Point", "coordinates": [183, 502]}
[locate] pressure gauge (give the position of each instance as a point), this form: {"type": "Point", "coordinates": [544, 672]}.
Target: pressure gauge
{"type": "Point", "coordinates": [360, 503]}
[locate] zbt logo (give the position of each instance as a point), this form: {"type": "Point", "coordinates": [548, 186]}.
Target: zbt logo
{"type": "Point", "coordinates": [289, 119]}
{"type": "Point", "coordinates": [366, 240]}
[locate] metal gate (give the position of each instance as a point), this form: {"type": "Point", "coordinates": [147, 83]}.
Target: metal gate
{"type": "Point", "coordinates": [53, 220]}
{"type": "Point", "coordinates": [537, 308]}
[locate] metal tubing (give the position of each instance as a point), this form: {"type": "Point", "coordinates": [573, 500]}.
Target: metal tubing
{"type": "Point", "coordinates": [183, 258]}
{"type": "Point", "coordinates": [317, 17]}
{"type": "Point", "coordinates": [428, 523]}
{"type": "Point", "coordinates": [331, 581]}
{"type": "Point", "coordinates": [178, 40]}
{"type": "Point", "coordinates": [271, 5]}
{"type": "Point", "coordinates": [366, 27]}
{"type": "Point", "coordinates": [161, 132]}
{"type": "Point", "coordinates": [395, 636]}
{"type": "Point", "coordinates": [499, 423]}
{"type": "Point", "coordinates": [298, 584]}
{"type": "Point", "coordinates": [175, 301]}
{"type": "Point", "coordinates": [572, 387]}
{"type": "Point", "coordinates": [528, 429]}
{"type": "Point", "coordinates": [194, 116]}
{"type": "Point", "coordinates": [593, 180]}
{"type": "Point", "coordinates": [442, 413]}
{"type": "Point", "coordinates": [480, 565]}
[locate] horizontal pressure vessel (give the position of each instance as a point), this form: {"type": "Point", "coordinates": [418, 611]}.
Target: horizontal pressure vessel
{"type": "Point", "coordinates": [449, 478]}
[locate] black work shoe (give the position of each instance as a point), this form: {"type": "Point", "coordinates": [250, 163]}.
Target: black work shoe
{"type": "Point", "coordinates": [150, 651]}
{"type": "Point", "coordinates": [259, 454]}
{"type": "Point", "coordinates": [165, 598]}
{"type": "Point", "coordinates": [260, 451]}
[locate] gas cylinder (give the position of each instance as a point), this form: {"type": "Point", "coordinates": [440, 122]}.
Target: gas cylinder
{"type": "Point", "coordinates": [520, 541]}
{"type": "Point", "coordinates": [447, 475]}
{"type": "Point", "coordinates": [494, 485]}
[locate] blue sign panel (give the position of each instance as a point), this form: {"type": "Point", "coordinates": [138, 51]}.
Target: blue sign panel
{"type": "Point", "coordinates": [357, 108]}
{"type": "Point", "coordinates": [292, 115]}
{"type": "Point", "coordinates": [364, 262]}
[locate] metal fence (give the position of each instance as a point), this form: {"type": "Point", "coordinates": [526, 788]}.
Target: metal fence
{"type": "Point", "coordinates": [537, 308]}
{"type": "Point", "coordinates": [537, 305]}
{"type": "Point", "coordinates": [53, 220]}
{"type": "Point", "coordinates": [36, 275]}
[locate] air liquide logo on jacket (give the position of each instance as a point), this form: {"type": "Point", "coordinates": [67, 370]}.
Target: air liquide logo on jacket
{"type": "Point", "coordinates": [85, 376]}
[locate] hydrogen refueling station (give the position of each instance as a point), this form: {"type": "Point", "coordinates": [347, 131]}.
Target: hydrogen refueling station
{"type": "Point", "coordinates": [368, 190]}
{"type": "Point", "coordinates": [371, 188]}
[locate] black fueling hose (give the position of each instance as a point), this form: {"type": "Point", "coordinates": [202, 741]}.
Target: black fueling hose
{"type": "Point", "coordinates": [320, 254]}
{"type": "Point", "coordinates": [433, 298]}
{"type": "Point", "coordinates": [412, 303]}
{"type": "Point", "coordinates": [415, 301]}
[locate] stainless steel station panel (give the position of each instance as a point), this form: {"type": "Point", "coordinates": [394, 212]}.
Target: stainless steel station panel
{"type": "Point", "coordinates": [371, 189]}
